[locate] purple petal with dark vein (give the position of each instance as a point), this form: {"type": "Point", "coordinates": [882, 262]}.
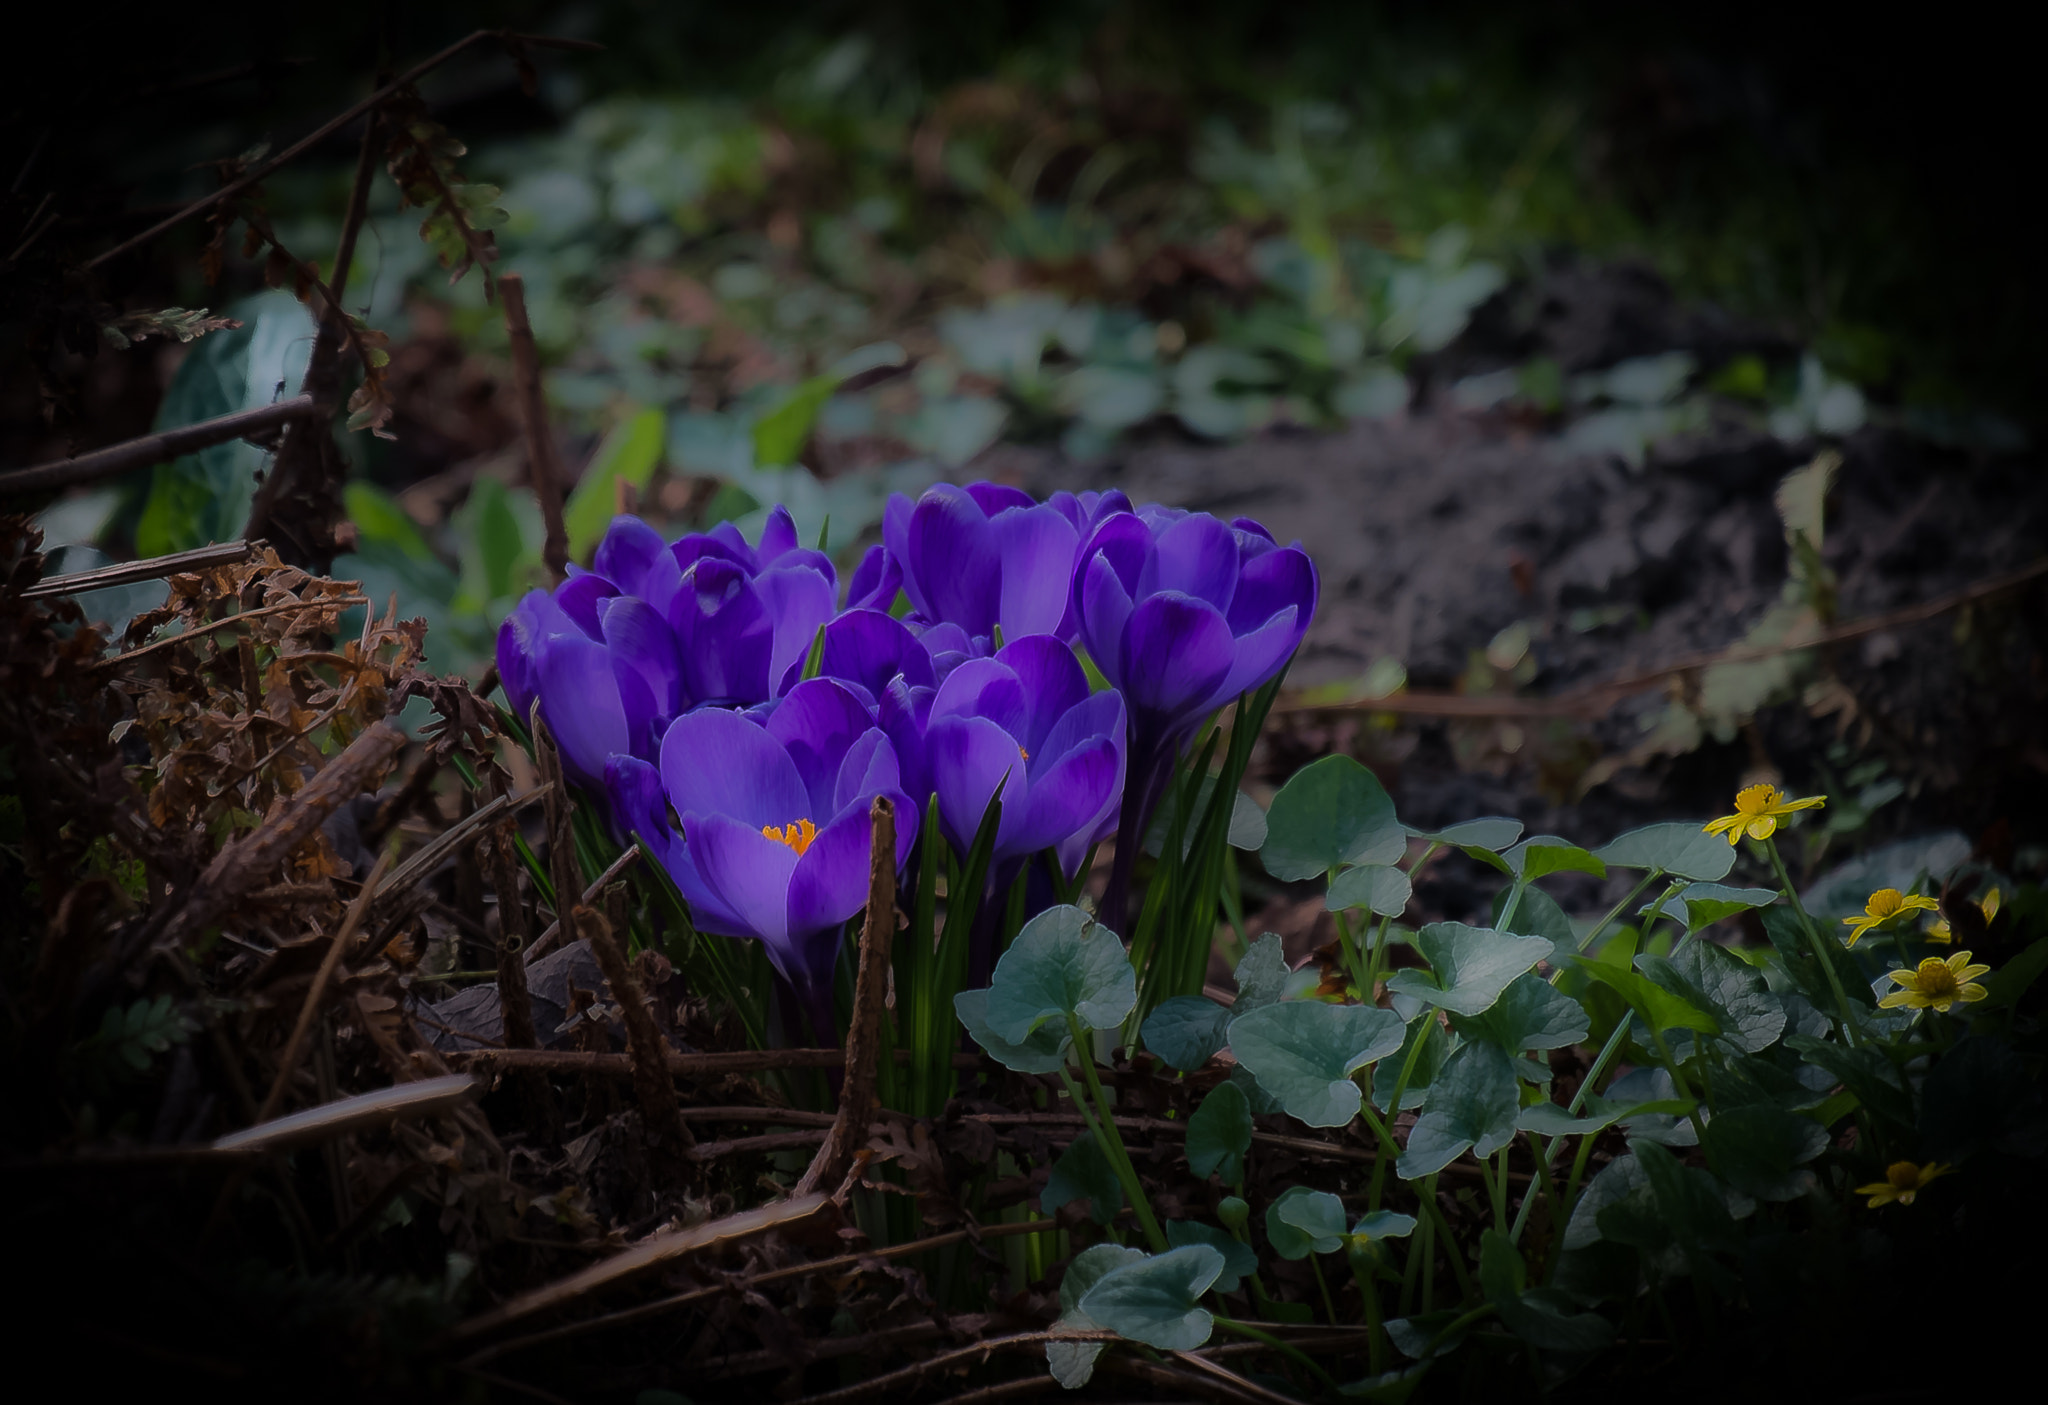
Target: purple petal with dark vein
{"type": "Point", "coordinates": [778, 536]}
{"type": "Point", "coordinates": [1195, 556]}
{"type": "Point", "coordinates": [969, 758]}
{"type": "Point", "coordinates": [747, 870]}
{"type": "Point", "coordinates": [1099, 715]}
{"type": "Point", "coordinates": [896, 515]}
{"type": "Point", "coordinates": [875, 581]}
{"type": "Point", "coordinates": [717, 762]}
{"type": "Point", "coordinates": [992, 498]}
{"type": "Point", "coordinates": [817, 721]}
{"type": "Point", "coordinates": [1252, 528]}
{"type": "Point", "coordinates": [641, 639]}
{"type": "Point", "coordinates": [984, 688]}
{"type": "Point", "coordinates": [628, 549]}
{"type": "Point", "coordinates": [797, 600]}
{"type": "Point", "coordinates": [1037, 547]}
{"type": "Point", "coordinates": [1271, 583]}
{"type": "Point", "coordinates": [1067, 797]}
{"type": "Point", "coordinates": [868, 766]}
{"type": "Point", "coordinates": [1258, 656]}
{"type": "Point", "coordinates": [515, 668]}
{"type": "Point", "coordinates": [724, 636]}
{"type": "Point", "coordinates": [1104, 613]}
{"type": "Point", "coordinates": [640, 805]}
{"type": "Point", "coordinates": [579, 697]}
{"type": "Point", "coordinates": [869, 648]}
{"type": "Point", "coordinates": [1051, 679]}
{"type": "Point", "coordinates": [1124, 540]}
{"type": "Point", "coordinates": [954, 559]}
{"type": "Point", "coordinates": [903, 712]}
{"type": "Point", "coordinates": [830, 882]}
{"type": "Point", "coordinates": [1176, 652]}
{"type": "Point", "coordinates": [577, 598]}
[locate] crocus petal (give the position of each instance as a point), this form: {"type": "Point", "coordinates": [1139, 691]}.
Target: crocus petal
{"type": "Point", "coordinates": [896, 541]}
{"type": "Point", "coordinates": [1037, 547]}
{"type": "Point", "coordinates": [628, 549]}
{"type": "Point", "coordinates": [578, 596]}
{"type": "Point", "coordinates": [993, 498]}
{"type": "Point", "coordinates": [579, 697]}
{"type": "Point", "coordinates": [875, 581]}
{"type": "Point", "coordinates": [1259, 655]}
{"type": "Point", "coordinates": [829, 883]}
{"type": "Point", "coordinates": [1270, 584]}
{"type": "Point", "coordinates": [749, 872]}
{"type": "Point", "coordinates": [778, 536]}
{"type": "Point", "coordinates": [953, 557]}
{"type": "Point", "coordinates": [515, 669]}
{"type": "Point", "coordinates": [717, 762]}
{"type": "Point", "coordinates": [815, 724]}
{"type": "Point", "coordinates": [1176, 652]}
{"type": "Point", "coordinates": [798, 600]}
{"type": "Point", "coordinates": [903, 712]}
{"type": "Point", "coordinates": [640, 805]}
{"type": "Point", "coordinates": [1195, 556]}
{"type": "Point", "coordinates": [1069, 795]}
{"type": "Point", "coordinates": [1051, 681]}
{"type": "Point", "coordinates": [724, 636]}
{"type": "Point", "coordinates": [869, 648]}
{"type": "Point", "coordinates": [640, 639]}
{"type": "Point", "coordinates": [969, 757]}
{"type": "Point", "coordinates": [1104, 610]}
{"type": "Point", "coordinates": [983, 688]}
{"type": "Point", "coordinates": [869, 767]}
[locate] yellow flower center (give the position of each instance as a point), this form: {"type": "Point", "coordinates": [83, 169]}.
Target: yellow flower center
{"type": "Point", "coordinates": [798, 834]}
{"type": "Point", "coordinates": [1935, 979]}
{"type": "Point", "coordinates": [1903, 1175]}
{"type": "Point", "coordinates": [1755, 799]}
{"type": "Point", "coordinates": [1885, 902]}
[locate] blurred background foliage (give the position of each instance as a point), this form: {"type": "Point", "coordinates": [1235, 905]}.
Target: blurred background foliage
{"type": "Point", "coordinates": [877, 239]}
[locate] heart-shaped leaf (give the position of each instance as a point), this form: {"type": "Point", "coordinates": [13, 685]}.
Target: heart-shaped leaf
{"type": "Point", "coordinates": [1044, 1050]}
{"type": "Point", "coordinates": [1084, 1172]}
{"type": "Point", "coordinates": [1681, 850]}
{"type": "Point", "coordinates": [1387, 1072]}
{"type": "Point", "coordinates": [1303, 1222]}
{"type": "Point", "coordinates": [1239, 1262]}
{"type": "Point", "coordinates": [1542, 854]}
{"type": "Point", "coordinates": [1304, 1052]}
{"type": "Point", "coordinates": [1703, 904]}
{"type": "Point", "coordinates": [1383, 889]}
{"type": "Point", "coordinates": [1073, 1363]}
{"type": "Point", "coordinates": [1262, 975]}
{"type": "Point", "coordinates": [1383, 1224]}
{"type": "Point", "coordinates": [1726, 987]}
{"type": "Point", "coordinates": [1063, 963]}
{"type": "Point", "coordinates": [1330, 813]}
{"type": "Point", "coordinates": [1531, 1014]}
{"type": "Point", "coordinates": [1550, 1120]}
{"type": "Point", "coordinates": [1472, 1107]}
{"type": "Point", "coordinates": [1763, 1150]}
{"type": "Point", "coordinates": [1220, 1133]}
{"type": "Point", "coordinates": [1155, 1300]}
{"type": "Point", "coordinates": [1186, 1031]}
{"type": "Point", "coordinates": [1492, 834]}
{"type": "Point", "coordinates": [1659, 1007]}
{"type": "Point", "coordinates": [1536, 915]}
{"type": "Point", "coordinates": [1469, 967]}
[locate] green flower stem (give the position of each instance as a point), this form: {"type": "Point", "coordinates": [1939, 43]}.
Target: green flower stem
{"type": "Point", "coordinates": [1292, 1353]}
{"type": "Point", "coordinates": [1820, 952]}
{"type": "Point", "coordinates": [1436, 1216]}
{"type": "Point", "coordinates": [1369, 1294]}
{"type": "Point", "coordinates": [1315, 1262]}
{"type": "Point", "coordinates": [1376, 953]}
{"type": "Point", "coordinates": [1598, 927]}
{"type": "Point", "coordinates": [1586, 1084]}
{"type": "Point", "coordinates": [1507, 913]}
{"type": "Point", "coordinates": [1671, 1067]}
{"type": "Point", "coordinates": [1379, 1169]}
{"type": "Point", "coordinates": [1354, 957]}
{"type": "Point", "coordinates": [1483, 1310]}
{"type": "Point", "coordinates": [1496, 1192]}
{"type": "Point", "coordinates": [1420, 1250]}
{"type": "Point", "coordinates": [1110, 1139]}
{"type": "Point", "coordinates": [1542, 1155]}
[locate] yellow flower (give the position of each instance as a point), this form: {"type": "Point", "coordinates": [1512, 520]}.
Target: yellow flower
{"type": "Point", "coordinates": [1884, 905]}
{"type": "Point", "coordinates": [1937, 983]}
{"type": "Point", "coordinates": [1757, 810]}
{"type": "Point", "coordinates": [1902, 1181]}
{"type": "Point", "coordinates": [1941, 934]}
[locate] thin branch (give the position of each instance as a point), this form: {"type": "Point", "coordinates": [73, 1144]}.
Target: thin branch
{"type": "Point", "coordinates": [329, 1120]}
{"type": "Point", "coordinates": [590, 895]}
{"type": "Point", "coordinates": [338, 601]}
{"type": "Point", "coordinates": [543, 464]}
{"type": "Point", "coordinates": [150, 449]}
{"type": "Point", "coordinates": [661, 1121]}
{"type": "Point", "coordinates": [128, 572]}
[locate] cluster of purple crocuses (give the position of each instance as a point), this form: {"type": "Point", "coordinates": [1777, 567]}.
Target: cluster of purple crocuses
{"type": "Point", "coordinates": [721, 685]}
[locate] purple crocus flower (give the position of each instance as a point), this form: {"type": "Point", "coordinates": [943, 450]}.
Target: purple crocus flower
{"type": "Point", "coordinates": [1183, 613]}
{"type": "Point", "coordinates": [775, 827]}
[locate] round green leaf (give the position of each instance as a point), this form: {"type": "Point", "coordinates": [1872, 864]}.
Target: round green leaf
{"type": "Point", "coordinates": [1531, 1014]}
{"type": "Point", "coordinates": [1469, 967]}
{"type": "Point", "coordinates": [1303, 1222]}
{"type": "Point", "coordinates": [1472, 1107]}
{"type": "Point", "coordinates": [1492, 834]}
{"type": "Point", "coordinates": [1063, 963]}
{"type": "Point", "coordinates": [1262, 975]}
{"type": "Point", "coordinates": [1044, 1050]}
{"type": "Point", "coordinates": [1304, 1052]}
{"type": "Point", "coordinates": [1072, 1363]}
{"type": "Point", "coordinates": [1332, 812]}
{"type": "Point", "coordinates": [1542, 854]}
{"type": "Point", "coordinates": [1683, 850]}
{"type": "Point", "coordinates": [1536, 915]}
{"type": "Point", "coordinates": [1220, 1133]}
{"type": "Point", "coordinates": [1155, 1301]}
{"type": "Point", "coordinates": [1084, 1171]}
{"type": "Point", "coordinates": [1701, 905]}
{"type": "Point", "coordinates": [1379, 887]}
{"type": "Point", "coordinates": [1239, 1262]}
{"type": "Point", "coordinates": [1384, 1224]}
{"type": "Point", "coordinates": [1186, 1031]}
{"type": "Point", "coordinates": [1763, 1150]}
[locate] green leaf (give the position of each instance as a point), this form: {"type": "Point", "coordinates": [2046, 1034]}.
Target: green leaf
{"type": "Point", "coordinates": [1330, 813]}
{"type": "Point", "coordinates": [1072, 1363]}
{"type": "Point", "coordinates": [1304, 1052]}
{"type": "Point", "coordinates": [1389, 1387]}
{"type": "Point", "coordinates": [1490, 835]}
{"type": "Point", "coordinates": [1220, 1133]}
{"type": "Point", "coordinates": [1063, 963]}
{"type": "Point", "coordinates": [1659, 1007]}
{"type": "Point", "coordinates": [1262, 975]}
{"type": "Point", "coordinates": [1549, 1319]}
{"type": "Point", "coordinates": [1383, 889]}
{"type": "Point", "coordinates": [1472, 1107]}
{"type": "Point", "coordinates": [1084, 1172]}
{"type": "Point", "coordinates": [1530, 1015]}
{"type": "Point", "coordinates": [1156, 1301]}
{"type": "Point", "coordinates": [1726, 987]}
{"type": "Point", "coordinates": [2010, 981]}
{"type": "Point", "coordinates": [1044, 1050]}
{"type": "Point", "coordinates": [1788, 935]}
{"type": "Point", "coordinates": [1417, 1337]}
{"type": "Point", "coordinates": [1303, 1222]}
{"type": "Point", "coordinates": [1701, 905]}
{"type": "Point", "coordinates": [1387, 1072]}
{"type": "Point", "coordinates": [779, 435]}
{"type": "Point", "coordinates": [1683, 850]}
{"type": "Point", "coordinates": [1247, 821]}
{"type": "Point", "coordinates": [628, 454]}
{"type": "Point", "coordinates": [1186, 1031]}
{"type": "Point", "coordinates": [1383, 1224]}
{"type": "Point", "coordinates": [1536, 915]}
{"type": "Point", "coordinates": [1239, 1262]}
{"type": "Point", "coordinates": [1550, 1120]}
{"type": "Point", "coordinates": [492, 545]}
{"type": "Point", "coordinates": [1864, 1071]}
{"type": "Point", "coordinates": [1469, 966]}
{"type": "Point", "coordinates": [1543, 854]}
{"type": "Point", "coordinates": [1762, 1150]}
{"type": "Point", "coordinates": [1502, 1274]}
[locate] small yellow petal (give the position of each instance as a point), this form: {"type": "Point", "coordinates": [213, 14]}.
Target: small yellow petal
{"type": "Point", "coordinates": [1807, 804]}
{"type": "Point", "coordinates": [1895, 1000]}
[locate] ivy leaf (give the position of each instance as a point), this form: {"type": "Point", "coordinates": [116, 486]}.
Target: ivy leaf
{"type": "Point", "coordinates": [1262, 975]}
{"type": "Point", "coordinates": [1330, 813]}
{"type": "Point", "coordinates": [1531, 1014]}
{"type": "Point", "coordinates": [1063, 963]}
{"type": "Point", "coordinates": [1303, 1222]}
{"type": "Point", "coordinates": [1682, 850]}
{"type": "Point", "coordinates": [1469, 966]}
{"type": "Point", "coordinates": [1044, 1050]}
{"type": "Point", "coordinates": [1220, 1133]}
{"type": "Point", "coordinates": [1073, 1363]}
{"type": "Point", "coordinates": [1472, 1107]}
{"type": "Point", "coordinates": [1383, 889]}
{"type": "Point", "coordinates": [1084, 1170]}
{"type": "Point", "coordinates": [1186, 1031]}
{"type": "Point", "coordinates": [1544, 854]}
{"type": "Point", "coordinates": [1155, 1301]}
{"type": "Point", "coordinates": [1304, 1052]}
{"type": "Point", "coordinates": [1239, 1262]}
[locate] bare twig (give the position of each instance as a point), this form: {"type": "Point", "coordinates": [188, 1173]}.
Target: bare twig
{"type": "Point", "coordinates": [514, 1000]}
{"type": "Point", "coordinates": [980, 1351]}
{"type": "Point", "coordinates": [546, 941]}
{"type": "Point", "coordinates": [679, 1064]}
{"type": "Point", "coordinates": [296, 1045]}
{"type": "Point", "coordinates": [423, 1099]}
{"type": "Point", "coordinates": [857, 1100]}
{"type": "Point", "coordinates": [187, 636]}
{"type": "Point", "coordinates": [128, 572]}
{"type": "Point", "coordinates": [150, 449]}
{"type": "Point", "coordinates": [770, 1141]}
{"type": "Point", "coordinates": [668, 1137]}
{"type": "Point", "coordinates": [542, 463]}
